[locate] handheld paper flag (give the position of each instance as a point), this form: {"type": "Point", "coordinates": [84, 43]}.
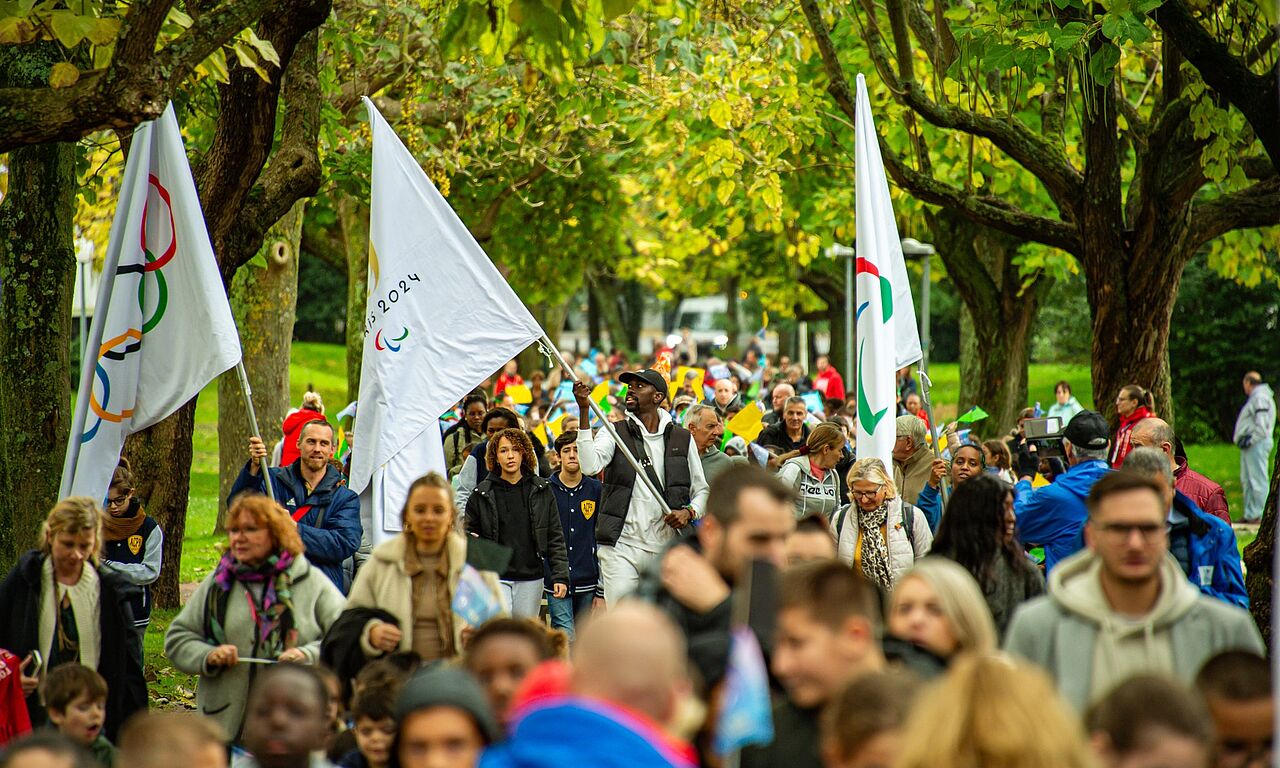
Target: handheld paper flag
{"type": "Point", "coordinates": [473, 601]}
{"type": "Point", "coordinates": [746, 713]}
{"type": "Point", "coordinates": [520, 394]}
{"type": "Point", "coordinates": [973, 414]}
{"type": "Point", "coordinates": [748, 423]}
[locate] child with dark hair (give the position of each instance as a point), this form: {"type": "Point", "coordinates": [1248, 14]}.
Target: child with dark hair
{"type": "Point", "coordinates": [862, 725]}
{"type": "Point", "coordinates": [286, 719]}
{"type": "Point", "coordinates": [503, 651]}
{"type": "Point", "coordinates": [577, 497]}
{"type": "Point", "coordinates": [1149, 720]}
{"type": "Point", "coordinates": [517, 509]}
{"type": "Point", "coordinates": [373, 715]}
{"type": "Point", "coordinates": [75, 696]}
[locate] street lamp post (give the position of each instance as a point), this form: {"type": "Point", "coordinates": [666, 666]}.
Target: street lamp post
{"type": "Point", "coordinates": [913, 247]}
{"type": "Point", "coordinates": [838, 251]}
{"type": "Point", "coordinates": [84, 259]}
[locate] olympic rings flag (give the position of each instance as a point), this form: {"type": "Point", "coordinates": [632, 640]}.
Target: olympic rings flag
{"type": "Point", "coordinates": [163, 328]}
{"type": "Point", "coordinates": [888, 338]}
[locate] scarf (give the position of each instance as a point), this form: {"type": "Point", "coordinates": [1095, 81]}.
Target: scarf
{"type": "Point", "coordinates": [875, 553]}
{"type": "Point", "coordinates": [122, 527]}
{"type": "Point", "coordinates": [273, 616]}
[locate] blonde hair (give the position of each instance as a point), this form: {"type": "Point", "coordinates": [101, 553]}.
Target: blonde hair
{"type": "Point", "coordinates": [872, 470]}
{"type": "Point", "coordinates": [73, 515]}
{"type": "Point", "coordinates": [429, 480]}
{"type": "Point", "coordinates": [961, 600]}
{"type": "Point", "coordinates": [311, 402]}
{"type": "Point", "coordinates": [993, 712]}
{"type": "Point", "coordinates": [271, 516]}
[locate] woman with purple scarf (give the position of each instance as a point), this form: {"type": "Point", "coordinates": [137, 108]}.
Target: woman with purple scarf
{"type": "Point", "coordinates": [263, 604]}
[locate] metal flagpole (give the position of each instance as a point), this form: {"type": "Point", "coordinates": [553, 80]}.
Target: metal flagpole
{"type": "Point", "coordinates": [925, 386]}
{"type": "Point", "coordinates": [641, 475]}
{"type": "Point", "coordinates": [253, 422]}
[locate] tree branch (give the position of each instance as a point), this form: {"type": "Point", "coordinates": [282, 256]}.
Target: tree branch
{"type": "Point", "coordinates": [483, 231]}
{"type": "Point", "coordinates": [1253, 94]}
{"type": "Point", "coordinates": [137, 84]}
{"type": "Point", "coordinates": [1254, 206]}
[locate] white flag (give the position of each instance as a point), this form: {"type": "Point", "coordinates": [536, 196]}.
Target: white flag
{"type": "Point", "coordinates": [887, 335]}
{"type": "Point", "coordinates": [162, 328]}
{"type": "Point", "coordinates": [440, 320]}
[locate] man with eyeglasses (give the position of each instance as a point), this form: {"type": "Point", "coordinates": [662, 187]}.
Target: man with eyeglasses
{"type": "Point", "coordinates": [1123, 606]}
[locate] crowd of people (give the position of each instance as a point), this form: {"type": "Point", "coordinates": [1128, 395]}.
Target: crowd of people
{"type": "Point", "coordinates": [576, 585]}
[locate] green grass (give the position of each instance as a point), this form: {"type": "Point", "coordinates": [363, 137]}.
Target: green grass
{"type": "Point", "coordinates": [1041, 377]}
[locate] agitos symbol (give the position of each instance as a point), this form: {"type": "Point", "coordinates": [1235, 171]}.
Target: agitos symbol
{"type": "Point", "coordinates": [118, 348]}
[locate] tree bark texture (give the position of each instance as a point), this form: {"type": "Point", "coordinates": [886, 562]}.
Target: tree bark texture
{"type": "Point", "coordinates": [1259, 561]}
{"type": "Point", "coordinates": [37, 271]}
{"type": "Point", "coordinates": [1001, 313]}
{"type": "Point", "coordinates": [264, 303]}
{"type": "Point", "coordinates": [353, 216]}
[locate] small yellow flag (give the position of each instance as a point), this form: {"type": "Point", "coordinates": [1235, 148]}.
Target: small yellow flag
{"type": "Point", "coordinates": [519, 394]}
{"type": "Point", "coordinates": [748, 423]}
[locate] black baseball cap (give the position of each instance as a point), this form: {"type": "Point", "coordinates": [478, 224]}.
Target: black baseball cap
{"type": "Point", "coordinates": [1088, 430]}
{"type": "Point", "coordinates": [646, 376]}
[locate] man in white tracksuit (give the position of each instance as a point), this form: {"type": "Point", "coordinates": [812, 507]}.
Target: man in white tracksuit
{"type": "Point", "coordinates": [1254, 427]}
{"type": "Point", "coordinates": [633, 527]}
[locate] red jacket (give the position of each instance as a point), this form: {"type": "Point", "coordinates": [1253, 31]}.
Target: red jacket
{"type": "Point", "coordinates": [13, 703]}
{"type": "Point", "coordinates": [1120, 447]}
{"type": "Point", "coordinates": [831, 384]}
{"type": "Point", "coordinates": [292, 428]}
{"type": "Point", "coordinates": [1207, 494]}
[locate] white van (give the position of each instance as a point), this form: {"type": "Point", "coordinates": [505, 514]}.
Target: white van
{"type": "Point", "coordinates": [706, 317]}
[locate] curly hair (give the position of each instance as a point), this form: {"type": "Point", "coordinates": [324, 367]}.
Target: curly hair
{"type": "Point", "coordinates": [522, 444]}
{"type": "Point", "coordinates": [271, 516]}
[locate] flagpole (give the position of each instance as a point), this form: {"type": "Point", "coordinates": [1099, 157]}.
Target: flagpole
{"type": "Point", "coordinates": [253, 423]}
{"type": "Point", "coordinates": [641, 475]}
{"type": "Point", "coordinates": [925, 386]}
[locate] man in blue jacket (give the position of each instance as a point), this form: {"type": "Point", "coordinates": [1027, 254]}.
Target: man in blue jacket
{"type": "Point", "coordinates": [1203, 545]}
{"type": "Point", "coordinates": [315, 494]}
{"type": "Point", "coordinates": [1054, 515]}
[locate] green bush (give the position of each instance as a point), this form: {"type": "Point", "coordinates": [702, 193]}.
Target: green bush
{"type": "Point", "coordinates": [1220, 330]}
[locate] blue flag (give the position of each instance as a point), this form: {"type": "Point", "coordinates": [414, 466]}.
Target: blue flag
{"type": "Point", "coordinates": [746, 713]}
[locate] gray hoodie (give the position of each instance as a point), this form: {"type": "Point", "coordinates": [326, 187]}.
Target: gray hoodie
{"type": "Point", "coordinates": [1257, 419]}
{"type": "Point", "coordinates": [1088, 648]}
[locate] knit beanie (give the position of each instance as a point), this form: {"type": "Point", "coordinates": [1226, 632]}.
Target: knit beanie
{"type": "Point", "coordinates": [445, 686]}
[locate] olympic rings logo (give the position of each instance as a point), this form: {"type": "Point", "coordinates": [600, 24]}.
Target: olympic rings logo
{"type": "Point", "coordinates": [120, 347]}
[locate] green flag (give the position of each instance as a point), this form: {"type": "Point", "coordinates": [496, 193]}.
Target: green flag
{"type": "Point", "coordinates": [973, 414]}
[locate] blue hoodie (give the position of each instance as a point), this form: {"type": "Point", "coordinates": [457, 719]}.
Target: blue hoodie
{"type": "Point", "coordinates": [1054, 515]}
{"type": "Point", "coordinates": [1212, 559]}
{"type": "Point", "coordinates": [582, 732]}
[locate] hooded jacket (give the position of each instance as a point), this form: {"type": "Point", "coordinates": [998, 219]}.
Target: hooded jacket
{"type": "Point", "coordinates": [292, 428]}
{"type": "Point", "coordinates": [223, 691]}
{"type": "Point", "coordinates": [330, 529]}
{"type": "Point", "coordinates": [813, 496]}
{"type": "Point", "coordinates": [1213, 562]}
{"type": "Point", "coordinates": [1088, 649]}
{"type": "Point", "coordinates": [577, 731]}
{"type": "Point", "coordinates": [484, 520]}
{"type": "Point", "coordinates": [1053, 516]}
{"type": "Point", "coordinates": [1120, 445]}
{"type": "Point", "coordinates": [1257, 419]}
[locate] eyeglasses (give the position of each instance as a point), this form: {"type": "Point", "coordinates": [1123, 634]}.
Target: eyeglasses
{"type": "Point", "coordinates": [1123, 531]}
{"type": "Point", "coordinates": [118, 501]}
{"type": "Point", "coordinates": [865, 494]}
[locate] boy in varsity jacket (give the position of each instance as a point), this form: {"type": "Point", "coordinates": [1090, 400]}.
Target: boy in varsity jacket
{"type": "Point", "coordinates": [577, 499]}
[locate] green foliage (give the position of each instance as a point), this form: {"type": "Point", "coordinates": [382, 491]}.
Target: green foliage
{"type": "Point", "coordinates": [1220, 331]}
{"type": "Point", "coordinates": [322, 294]}
{"type": "Point", "coordinates": [1063, 333]}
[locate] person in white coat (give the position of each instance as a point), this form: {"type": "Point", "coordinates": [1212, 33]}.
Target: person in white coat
{"type": "Point", "coordinates": [879, 533]}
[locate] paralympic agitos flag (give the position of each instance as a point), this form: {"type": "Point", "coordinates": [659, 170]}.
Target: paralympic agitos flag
{"type": "Point", "coordinates": [162, 328]}
{"type": "Point", "coordinates": [888, 338]}
{"type": "Point", "coordinates": [440, 320]}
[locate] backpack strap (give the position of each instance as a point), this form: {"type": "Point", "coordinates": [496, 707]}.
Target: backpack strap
{"type": "Point", "coordinates": [908, 522]}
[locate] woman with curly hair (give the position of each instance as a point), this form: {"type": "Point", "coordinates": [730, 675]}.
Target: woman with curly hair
{"type": "Point", "coordinates": [516, 508]}
{"type": "Point", "coordinates": [263, 601]}
{"type": "Point", "coordinates": [978, 533]}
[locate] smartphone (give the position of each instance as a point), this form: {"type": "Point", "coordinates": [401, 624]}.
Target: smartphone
{"type": "Point", "coordinates": [32, 664]}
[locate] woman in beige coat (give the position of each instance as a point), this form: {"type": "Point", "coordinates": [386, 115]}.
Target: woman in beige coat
{"type": "Point", "coordinates": [415, 576]}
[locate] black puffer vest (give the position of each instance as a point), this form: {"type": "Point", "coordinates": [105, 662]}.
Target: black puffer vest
{"type": "Point", "coordinates": [620, 479]}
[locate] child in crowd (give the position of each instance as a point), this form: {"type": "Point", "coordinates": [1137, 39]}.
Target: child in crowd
{"type": "Point", "coordinates": [75, 696]}
{"type": "Point", "coordinates": [577, 498]}
{"type": "Point", "coordinates": [442, 721]}
{"type": "Point", "coordinates": [286, 719]}
{"type": "Point", "coordinates": [503, 651]}
{"type": "Point", "coordinates": [861, 727]}
{"type": "Point", "coordinates": [373, 715]}
{"type": "Point", "coordinates": [132, 544]}
{"type": "Point", "coordinates": [167, 739]}
{"type": "Point", "coordinates": [1149, 720]}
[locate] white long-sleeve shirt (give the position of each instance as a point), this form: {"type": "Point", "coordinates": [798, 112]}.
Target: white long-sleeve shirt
{"type": "Point", "coordinates": [644, 528]}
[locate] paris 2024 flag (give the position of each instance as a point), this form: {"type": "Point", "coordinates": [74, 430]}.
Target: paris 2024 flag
{"type": "Point", "coordinates": [440, 320]}
{"type": "Point", "coordinates": [888, 338]}
{"type": "Point", "coordinates": [162, 329]}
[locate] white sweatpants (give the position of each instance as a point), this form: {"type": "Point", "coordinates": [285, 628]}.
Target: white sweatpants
{"type": "Point", "coordinates": [1255, 479]}
{"type": "Point", "coordinates": [523, 598]}
{"type": "Point", "coordinates": [620, 569]}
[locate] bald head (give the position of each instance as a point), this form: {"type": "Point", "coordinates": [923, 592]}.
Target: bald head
{"type": "Point", "coordinates": [780, 395]}
{"type": "Point", "coordinates": [1154, 433]}
{"type": "Point", "coordinates": [634, 656]}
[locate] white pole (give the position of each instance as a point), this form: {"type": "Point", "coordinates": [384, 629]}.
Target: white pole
{"type": "Point", "coordinates": [641, 475]}
{"type": "Point", "coordinates": [253, 423]}
{"type": "Point", "coordinates": [925, 386]}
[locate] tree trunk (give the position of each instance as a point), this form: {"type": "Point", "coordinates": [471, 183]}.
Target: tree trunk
{"type": "Point", "coordinates": [161, 460]}
{"type": "Point", "coordinates": [264, 302]}
{"type": "Point", "coordinates": [37, 271]}
{"type": "Point", "coordinates": [1259, 561]}
{"type": "Point", "coordinates": [733, 329]}
{"type": "Point", "coordinates": [353, 215]}
{"type": "Point", "coordinates": [1000, 314]}
{"type": "Point", "coordinates": [593, 315]}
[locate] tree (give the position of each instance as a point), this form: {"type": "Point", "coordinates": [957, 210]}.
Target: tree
{"type": "Point", "coordinates": [1135, 186]}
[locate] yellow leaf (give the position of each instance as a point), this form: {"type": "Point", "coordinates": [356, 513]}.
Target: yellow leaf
{"type": "Point", "coordinates": [63, 75]}
{"type": "Point", "coordinates": [104, 31]}
{"type": "Point", "coordinates": [720, 114]}
{"type": "Point", "coordinates": [16, 31]}
{"type": "Point", "coordinates": [1035, 90]}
